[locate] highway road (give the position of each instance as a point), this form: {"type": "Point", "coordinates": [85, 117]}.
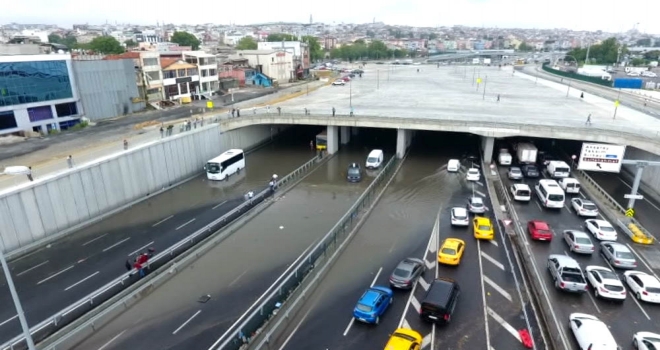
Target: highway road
{"type": "Point", "coordinates": [52, 278]}
{"type": "Point", "coordinates": [623, 319]}
{"type": "Point", "coordinates": [409, 221]}
{"type": "Point", "coordinates": [237, 271]}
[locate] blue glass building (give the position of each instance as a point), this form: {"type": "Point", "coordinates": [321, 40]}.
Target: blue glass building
{"type": "Point", "coordinates": [38, 93]}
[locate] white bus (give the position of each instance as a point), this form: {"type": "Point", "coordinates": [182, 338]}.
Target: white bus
{"type": "Point", "coordinates": [224, 165]}
{"type": "Point", "coordinates": [550, 194]}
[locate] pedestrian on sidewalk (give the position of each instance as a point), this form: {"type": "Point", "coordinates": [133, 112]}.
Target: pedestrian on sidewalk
{"type": "Point", "coordinates": [69, 161]}
{"type": "Point", "coordinates": [268, 109]}
{"type": "Point", "coordinates": [233, 112]}
{"type": "Point", "coordinates": [170, 129]}
{"type": "Point", "coordinates": [254, 110]}
{"type": "Point", "coordinates": [333, 111]}
{"type": "Point", "coordinates": [141, 260]}
{"type": "Point", "coordinates": [352, 115]}
{"type": "Point", "coordinates": [162, 131]}
{"type": "Point", "coordinates": [305, 110]}
{"type": "Point", "coordinates": [29, 174]}
{"type": "Point", "coordinates": [195, 123]}
{"type": "Point", "coordinates": [498, 97]}
{"type": "Point", "coordinates": [125, 145]}
{"type": "Point", "coordinates": [588, 122]}
{"type": "Point", "coordinates": [279, 110]}
{"type": "Point", "coordinates": [582, 95]}
{"type": "Point", "coordinates": [238, 112]}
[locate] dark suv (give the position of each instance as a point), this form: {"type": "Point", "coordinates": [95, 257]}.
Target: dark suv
{"type": "Point", "coordinates": [440, 301]}
{"type": "Point", "coordinates": [354, 173]}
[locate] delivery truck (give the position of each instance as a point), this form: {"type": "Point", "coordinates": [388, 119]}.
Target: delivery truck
{"type": "Point", "coordinates": [526, 153]}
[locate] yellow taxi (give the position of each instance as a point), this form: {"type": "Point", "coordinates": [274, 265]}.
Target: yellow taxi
{"type": "Point", "coordinates": [483, 228]}
{"type": "Point", "coordinates": [451, 251]}
{"type": "Point", "coordinates": [404, 339]}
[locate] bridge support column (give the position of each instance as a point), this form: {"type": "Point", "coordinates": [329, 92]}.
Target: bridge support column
{"type": "Point", "coordinates": [344, 134]}
{"type": "Point", "coordinates": [487, 144]}
{"type": "Point", "coordinates": [355, 130]}
{"type": "Point", "coordinates": [403, 139]}
{"type": "Point", "coordinates": [333, 139]}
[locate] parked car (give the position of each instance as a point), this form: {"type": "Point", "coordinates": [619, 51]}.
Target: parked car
{"type": "Point", "coordinates": [645, 287]}
{"type": "Point", "coordinates": [605, 283]}
{"type": "Point", "coordinates": [591, 333]}
{"type": "Point", "coordinates": [406, 273]}
{"type": "Point", "coordinates": [514, 173]}
{"type": "Point", "coordinates": [646, 341]}
{"type": "Point", "coordinates": [459, 217]}
{"type": "Point", "coordinates": [584, 207]}
{"type": "Point", "coordinates": [578, 242]}
{"type": "Point", "coordinates": [601, 229]}
{"type": "Point", "coordinates": [618, 255]}
{"type": "Point", "coordinates": [338, 82]}
{"type": "Point", "coordinates": [530, 171]}
{"type": "Point", "coordinates": [373, 304]}
{"type": "Point", "coordinates": [539, 230]}
{"type": "Point", "coordinates": [476, 205]}
{"type": "Point", "coordinates": [473, 174]}
{"type": "Point", "coordinates": [566, 273]}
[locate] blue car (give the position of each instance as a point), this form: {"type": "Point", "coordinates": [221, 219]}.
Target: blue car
{"type": "Point", "coordinates": [373, 304]}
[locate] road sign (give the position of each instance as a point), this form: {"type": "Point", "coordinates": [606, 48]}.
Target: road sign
{"type": "Point", "coordinates": [630, 212]}
{"type": "Point", "coordinates": [209, 104]}
{"type": "Point", "coordinates": [478, 80]}
{"type": "Point", "coordinates": [601, 157]}
{"type": "Point", "coordinates": [616, 103]}
{"type": "Point", "coordinates": [633, 196]}
{"type": "Point", "coordinates": [506, 222]}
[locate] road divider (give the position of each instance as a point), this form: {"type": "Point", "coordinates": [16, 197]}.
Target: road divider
{"type": "Point", "coordinates": [74, 323]}
{"type": "Point", "coordinates": [276, 307]}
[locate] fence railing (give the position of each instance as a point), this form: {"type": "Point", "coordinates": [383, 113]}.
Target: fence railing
{"type": "Point", "coordinates": [595, 80]}
{"type": "Point", "coordinates": [66, 316]}
{"type": "Point", "coordinates": [252, 322]}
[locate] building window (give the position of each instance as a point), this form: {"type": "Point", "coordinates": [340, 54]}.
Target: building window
{"type": "Point", "coordinates": [213, 72]}
{"type": "Point", "coordinates": [40, 113]}
{"type": "Point", "coordinates": [205, 86]}
{"type": "Point", "coordinates": [169, 74]}
{"type": "Point", "coordinates": [272, 59]}
{"type": "Point", "coordinates": [153, 91]}
{"type": "Point", "coordinates": [205, 73]}
{"type": "Point", "coordinates": [210, 60]}
{"type": "Point", "coordinates": [192, 71]}
{"type": "Point", "coordinates": [150, 62]}
{"type": "Point", "coordinates": [181, 73]}
{"type": "Point", "coordinates": [7, 120]}
{"type": "Point", "coordinates": [66, 109]}
{"type": "Point", "coordinates": [184, 88]}
{"type": "Point", "coordinates": [153, 76]}
{"type": "Point", "coordinates": [28, 82]}
{"type": "Point", "coordinates": [171, 90]}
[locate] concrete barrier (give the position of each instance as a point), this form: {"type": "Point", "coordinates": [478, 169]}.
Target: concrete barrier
{"type": "Point", "coordinates": [40, 212]}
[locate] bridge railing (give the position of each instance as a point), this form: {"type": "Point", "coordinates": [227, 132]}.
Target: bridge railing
{"type": "Point", "coordinates": [81, 307]}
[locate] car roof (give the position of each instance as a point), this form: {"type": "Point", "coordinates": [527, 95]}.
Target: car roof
{"type": "Point", "coordinates": [369, 297]}
{"type": "Point", "coordinates": [407, 264]}
{"type": "Point", "coordinates": [440, 290]}
{"type": "Point", "coordinates": [540, 224]}
{"type": "Point", "coordinates": [580, 234]}
{"type": "Point", "coordinates": [617, 246]}
{"type": "Point", "coordinates": [452, 242]}
{"type": "Point", "coordinates": [600, 222]}
{"type": "Point", "coordinates": [476, 200]}
{"type": "Point", "coordinates": [482, 220]}
{"type": "Point", "coordinates": [649, 280]}
{"type": "Point", "coordinates": [473, 169]}
{"type": "Point", "coordinates": [459, 210]}
{"type": "Point", "coordinates": [565, 260]}
{"type": "Point", "coordinates": [402, 343]}
{"type": "Point", "coordinates": [521, 187]}
{"type": "Point", "coordinates": [354, 165]}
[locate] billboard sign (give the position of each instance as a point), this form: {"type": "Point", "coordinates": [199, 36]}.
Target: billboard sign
{"type": "Point", "coordinates": [601, 157]}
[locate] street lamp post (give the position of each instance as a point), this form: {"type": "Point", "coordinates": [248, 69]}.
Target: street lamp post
{"type": "Point", "coordinates": [616, 104]}
{"type": "Point", "coordinates": [17, 302]}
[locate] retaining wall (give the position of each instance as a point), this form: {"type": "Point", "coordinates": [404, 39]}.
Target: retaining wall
{"type": "Point", "coordinates": [650, 176]}
{"type": "Point", "coordinates": [49, 208]}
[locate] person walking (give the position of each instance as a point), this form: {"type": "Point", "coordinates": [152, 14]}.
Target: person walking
{"type": "Point", "coordinates": [333, 111]}
{"type": "Point", "coordinates": [279, 110]}
{"type": "Point", "coordinates": [352, 111]}
{"type": "Point", "coordinates": [125, 145]}
{"type": "Point", "coordinates": [305, 110]}
{"type": "Point", "coordinates": [588, 122]}
{"type": "Point", "coordinates": [141, 260]}
{"type": "Point", "coordinates": [69, 161]}
{"type": "Point", "coordinates": [233, 112]}
{"type": "Point", "coordinates": [238, 112]}
{"type": "Point", "coordinates": [498, 97]}
{"type": "Point", "coordinates": [582, 95]}
{"type": "Point", "coordinates": [170, 129]}
{"type": "Point", "coordinates": [162, 131]}
{"type": "Point", "coordinates": [29, 174]}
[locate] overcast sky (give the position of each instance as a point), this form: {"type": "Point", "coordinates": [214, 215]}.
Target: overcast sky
{"type": "Point", "coordinates": [608, 15]}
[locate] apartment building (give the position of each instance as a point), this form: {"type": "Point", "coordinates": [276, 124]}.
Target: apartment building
{"type": "Point", "coordinates": [207, 65]}
{"type": "Point", "coordinates": [149, 77]}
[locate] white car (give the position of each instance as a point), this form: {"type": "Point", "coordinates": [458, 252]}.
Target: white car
{"type": "Point", "coordinates": [584, 207]}
{"type": "Point", "coordinates": [338, 82]}
{"type": "Point", "coordinates": [633, 74]}
{"type": "Point", "coordinates": [591, 333]}
{"type": "Point", "coordinates": [459, 217]}
{"type": "Point", "coordinates": [605, 283]}
{"type": "Point", "coordinates": [649, 74]}
{"type": "Point", "coordinates": [601, 229]}
{"type": "Point", "coordinates": [645, 287]}
{"type": "Point", "coordinates": [473, 174]}
{"type": "Point", "coordinates": [646, 341]}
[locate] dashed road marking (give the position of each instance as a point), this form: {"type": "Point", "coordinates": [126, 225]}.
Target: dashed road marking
{"type": "Point", "coordinates": [480, 184]}
{"type": "Point", "coordinates": [426, 341]}
{"type": "Point", "coordinates": [422, 283]}
{"type": "Point", "coordinates": [405, 324]}
{"type": "Point", "coordinates": [415, 304]}
{"type": "Point", "coordinates": [493, 261]}
{"type": "Point", "coordinates": [182, 226]}
{"type": "Point", "coordinates": [494, 242]}
{"type": "Point", "coordinates": [480, 193]}
{"type": "Point", "coordinates": [162, 221]}
{"type": "Point", "coordinates": [504, 324]}
{"type": "Point", "coordinates": [497, 288]}
{"type": "Point", "coordinates": [429, 264]}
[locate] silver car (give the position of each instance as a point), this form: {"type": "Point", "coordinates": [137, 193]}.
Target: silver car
{"type": "Point", "coordinates": [578, 242]}
{"type": "Point", "coordinates": [515, 173]}
{"type": "Point", "coordinates": [476, 205]}
{"type": "Point", "coordinates": [618, 255]}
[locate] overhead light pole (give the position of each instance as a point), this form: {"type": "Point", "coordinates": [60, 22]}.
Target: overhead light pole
{"type": "Point", "coordinates": [17, 301]}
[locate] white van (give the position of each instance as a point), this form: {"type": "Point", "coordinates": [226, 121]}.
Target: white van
{"type": "Point", "coordinates": [374, 159]}
{"type": "Point", "coordinates": [453, 165]}
{"type": "Point", "coordinates": [504, 158]}
{"type": "Point", "coordinates": [521, 192]}
{"type": "Point", "coordinates": [550, 194]}
{"type": "Point", "coordinates": [570, 185]}
{"type": "Point", "coordinates": [558, 169]}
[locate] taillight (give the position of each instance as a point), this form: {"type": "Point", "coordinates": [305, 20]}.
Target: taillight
{"type": "Point", "coordinates": [645, 293]}
{"type": "Point", "coordinates": [617, 261]}
{"type": "Point", "coordinates": [577, 246]}
{"type": "Point", "coordinates": [446, 317]}
{"type": "Point", "coordinates": [561, 284]}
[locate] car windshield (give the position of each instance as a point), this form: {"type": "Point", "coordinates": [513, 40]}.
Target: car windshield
{"type": "Point", "coordinates": [523, 193]}
{"type": "Point", "coordinates": [372, 159]}
{"type": "Point", "coordinates": [607, 228]}
{"type": "Point", "coordinates": [589, 206]}
{"type": "Point", "coordinates": [401, 272]}
{"type": "Point", "coordinates": [531, 168]}
{"type": "Point", "coordinates": [613, 288]}
{"type": "Point", "coordinates": [515, 171]}
{"type": "Point", "coordinates": [556, 197]}
{"type": "Point", "coordinates": [608, 275]}
{"type": "Point", "coordinates": [582, 240]}
{"type": "Point", "coordinates": [448, 251]}
{"type": "Point", "coordinates": [571, 270]}
{"type": "Point", "coordinates": [476, 204]}
{"type": "Point", "coordinates": [213, 168]}
{"type": "Point", "coordinates": [625, 255]}
{"type": "Point", "coordinates": [353, 171]}
{"type": "Point", "coordinates": [404, 336]}
{"type": "Point", "coordinates": [364, 308]}
{"type": "Point", "coordinates": [473, 172]}
{"type": "Point", "coordinates": [484, 227]}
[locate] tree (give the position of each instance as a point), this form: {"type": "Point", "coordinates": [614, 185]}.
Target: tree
{"type": "Point", "coordinates": [106, 45]}
{"type": "Point", "coordinates": [603, 53]}
{"type": "Point", "coordinates": [315, 50]}
{"type": "Point", "coordinates": [70, 41]}
{"type": "Point", "coordinates": [638, 62]}
{"type": "Point", "coordinates": [130, 43]}
{"type": "Point", "coordinates": [281, 37]}
{"type": "Point", "coordinates": [185, 39]}
{"type": "Point", "coordinates": [525, 47]}
{"type": "Point", "coordinates": [652, 55]}
{"type": "Point", "coordinates": [246, 43]}
{"type": "Point", "coordinates": [433, 36]}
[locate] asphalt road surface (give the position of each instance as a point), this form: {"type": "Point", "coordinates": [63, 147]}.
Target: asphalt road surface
{"type": "Point", "coordinates": [237, 271]}
{"type": "Point", "coordinates": [623, 319]}
{"type": "Point", "coordinates": [410, 221]}
{"type": "Point", "coordinates": [54, 277]}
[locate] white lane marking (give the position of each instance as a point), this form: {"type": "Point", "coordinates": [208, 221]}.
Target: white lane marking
{"type": "Point", "coordinates": [593, 300]}
{"type": "Point", "coordinates": [376, 277]}
{"type": "Point", "coordinates": [405, 324]}
{"type": "Point", "coordinates": [8, 320]}
{"type": "Point", "coordinates": [137, 250]}
{"type": "Point", "coordinates": [348, 328]}
{"type": "Point", "coordinates": [81, 281]}
{"type": "Point", "coordinates": [238, 278]}
{"type": "Point", "coordinates": [111, 340]}
{"type": "Point", "coordinates": [116, 244]}
{"type": "Point", "coordinates": [32, 268]}
{"type": "Point", "coordinates": [479, 183]}
{"type": "Point", "coordinates": [286, 341]}
{"type": "Point", "coordinates": [95, 239]}
{"type": "Point", "coordinates": [492, 260]}
{"type": "Point", "coordinates": [641, 308]}
{"type": "Point", "coordinates": [415, 303]}
{"type": "Point", "coordinates": [191, 220]}
{"type": "Point", "coordinates": [643, 261]}
{"type": "Point", "coordinates": [392, 248]}
{"type": "Point", "coordinates": [429, 264]}
{"type": "Point", "coordinates": [497, 288]}
{"type": "Point", "coordinates": [426, 341]}
{"type": "Point", "coordinates": [568, 209]}
{"type": "Point", "coordinates": [504, 324]}
{"type": "Point", "coordinates": [55, 274]}
{"type": "Point", "coordinates": [538, 206]}
{"type": "Point", "coordinates": [422, 282]}
{"type": "Point", "coordinates": [187, 321]}
{"type": "Point", "coordinates": [494, 242]}
{"type": "Point", "coordinates": [219, 205]}
{"type": "Point", "coordinates": [480, 193]}
{"type": "Point", "coordinates": [483, 296]}
{"type": "Point", "coordinates": [162, 221]}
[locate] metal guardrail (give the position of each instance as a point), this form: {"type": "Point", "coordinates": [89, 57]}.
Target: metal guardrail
{"type": "Point", "coordinates": [57, 321]}
{"type": "Point", "coordinates": [251, 323]}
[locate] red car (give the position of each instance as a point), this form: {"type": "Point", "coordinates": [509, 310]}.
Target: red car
{"type": "Point", "coordinates": [346, 78]}
{"type": "Point", "coordinates": [539, 230]}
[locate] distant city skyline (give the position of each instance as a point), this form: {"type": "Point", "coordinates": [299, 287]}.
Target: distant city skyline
{"type": "Point", "coordinates": [591, 15]}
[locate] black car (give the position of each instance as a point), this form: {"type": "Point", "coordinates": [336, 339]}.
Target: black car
{"type": "Point", "coordinates": [406, 273]}
{"type": "Point", "coordinates": [354, 173]}
{"type": "Point", "coordinates": [530, 171]}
